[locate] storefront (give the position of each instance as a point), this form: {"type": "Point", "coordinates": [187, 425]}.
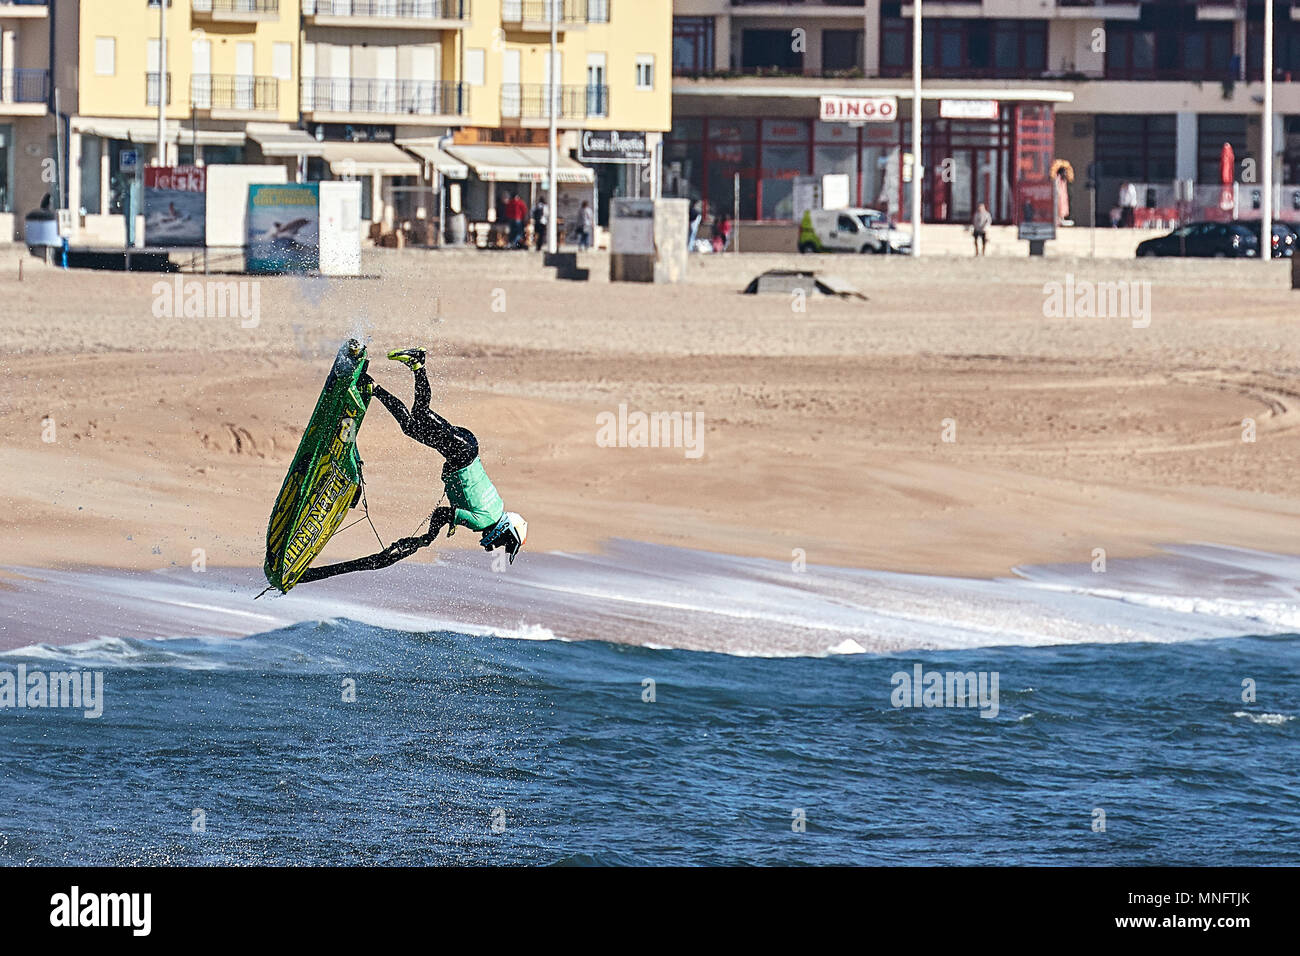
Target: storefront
{"type": "Point", "coordinates": [498, 171]}
{"type": "Point", "coordinates": [969, 159]}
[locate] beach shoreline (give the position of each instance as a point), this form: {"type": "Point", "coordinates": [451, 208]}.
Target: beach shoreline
{"type": "Point", "coordinates": [823, 429]}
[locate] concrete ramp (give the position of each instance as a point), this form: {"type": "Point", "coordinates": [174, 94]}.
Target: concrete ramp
{"type": "Point", "coordinates": [789, 281]}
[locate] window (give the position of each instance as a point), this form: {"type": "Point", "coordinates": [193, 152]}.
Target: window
{"type": "Point", "coordinates": [1212, 131]}
{"type": "Point", "coordinates": [105, 56]}
{"type": "Point", "coordinates": [769, 51]}
{"type": "Point", "coordinates": [645, 71]}
{"type": "Point", "coordinates": [841, 50]}
{"type": "Point", "coordinates": [475, 66]}
{"type": "Point", "coordinates": [1170, 43]}
{"type": "Point", "coordinates": [282, 61]}
{"type": "Point", "coordinates": [692, 45]}
{"type": "Point", "coordinates": [966, 48]}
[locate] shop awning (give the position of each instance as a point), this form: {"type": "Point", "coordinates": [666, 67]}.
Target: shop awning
{"type": "Point", "coordinates": [428, 150]}
{"type": "Point", "coordinates": [520, 164]}
{"type": "Point", "coordinates": [370, 159]}
{"type": "Point", "coordinates": [146, 131]}
{"type": "Point", "coordinates": [278, 140]}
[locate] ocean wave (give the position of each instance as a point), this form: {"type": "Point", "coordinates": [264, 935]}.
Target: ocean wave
{"type": "Point", "coordinates": [1272, 720]}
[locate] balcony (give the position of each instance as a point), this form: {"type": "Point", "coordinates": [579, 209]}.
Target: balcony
{"type": "Point", "coordinates": [24, 92]}
{"type": "Point", "coordinates": [388, 14]}
{"type": "Point", "coordinates": [350, 100]}
{"type": "Point", "coordinates": [527, 102]}
{"type": "Point", "coordinates": [534, 16]}
{"type": "Point", "coordinates": [811, 7]}
{"type": "Point", "coordinates": [24, 9]}
{"type": "Point", "coordinates": [234, 97]}
{"type": "Point", "coordinates": [236, 11]}
{"type": "Point", "coordinates": [151, 85]}
{"type": "Point", "coordinates": [1099, 9]}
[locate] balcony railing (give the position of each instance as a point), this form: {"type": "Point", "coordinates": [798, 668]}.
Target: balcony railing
{"type": "Point", "coordinates": [244, 93]}
{"type": "Point", "coordinates": [395, 97]}
{"type": "Point", "coordinates": [802, 3]}
{"type": "Point", "coordinates": [529, 101]}
{"type": "Point", "coordinates": [236, 6]}
{"type": "Point", "coordinates": [24, 86]}
{"type": "Point", "coordinates": [565, 11]}
{"type": "Point", "coordinates": [394, 9]}
{"type": "Point", "coordinates": [151, 85]}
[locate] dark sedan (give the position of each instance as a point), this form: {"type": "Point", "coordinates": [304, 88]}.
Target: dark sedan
{"type": "Point", "coordinates": [1205, 240]}
{"type": "Point", "coordinates": [1284, 238]}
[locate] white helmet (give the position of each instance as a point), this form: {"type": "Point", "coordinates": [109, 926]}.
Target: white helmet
{"type": "Point", "coordinates": [510, 533]}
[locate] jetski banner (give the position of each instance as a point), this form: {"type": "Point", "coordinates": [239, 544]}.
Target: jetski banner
{"type": "Point", "coordinates": [284, 228]}
{"type": "Point", "coordinates": [175, 205]}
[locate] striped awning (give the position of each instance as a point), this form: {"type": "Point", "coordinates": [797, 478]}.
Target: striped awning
{"type": "Point", "coordinates": [279, 140]}
{"type": "Point", "coordinates": [519, 164]}
{"type": "Point", "coordinates": [370, 159]}
{"type": "Point", "coordinates": [428, 150]}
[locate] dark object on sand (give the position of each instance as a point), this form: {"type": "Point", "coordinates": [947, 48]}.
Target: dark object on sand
{"type": "Point", "coordinates": [787, 281]}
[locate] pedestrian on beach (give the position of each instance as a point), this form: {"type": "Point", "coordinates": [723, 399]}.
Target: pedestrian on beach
{"type": "Point", "coordinates": [586, 226]}
{"type": "Point", "coordinates": [979, 226]}
{"type": "Point", "coordinates": [697, 216]}
{"type": "Point", "coordinates": [517, 213]}
{"type": "Point", "coordinates": [1128, 200]}
{"type": "Point", "coordinates": [539, 224]}
{"type": "Point", "coordinates": [722, 234]}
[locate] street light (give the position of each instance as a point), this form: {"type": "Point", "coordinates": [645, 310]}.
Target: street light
{"type": "Point", "coordinates": [552, 244]}
{"type": "Point", "coordinates": [1266, 219]}
{"type": "Point", "coordinates": [161, 156]}
{"type": "Point", "coordinates": [916, 128]}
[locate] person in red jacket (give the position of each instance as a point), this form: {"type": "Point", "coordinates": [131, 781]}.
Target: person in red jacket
{"type": "Point", "coordinates": [517, 214]}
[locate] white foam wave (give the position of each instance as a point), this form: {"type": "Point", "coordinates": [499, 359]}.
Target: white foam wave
{"type": "Point", "coordinates": [1272, 720]}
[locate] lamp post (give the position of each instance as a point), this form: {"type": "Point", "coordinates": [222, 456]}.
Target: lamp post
{"type": "Point", "coordinates": [160, 158]}
{"type": "Point", "coordinates": [917, 174]}
{"type": "Point", "coordinates": [1266, 217]}
{"type": "Point", "coordinates": [552, 213]}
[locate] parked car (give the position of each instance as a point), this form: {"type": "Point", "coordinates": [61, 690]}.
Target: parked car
{"type": "Point", "coordinates": [1205, 240]}
{"type": "Point", "coordinates": [1284, 238]}
{"type": "Point", "coordinates": [851, 230]}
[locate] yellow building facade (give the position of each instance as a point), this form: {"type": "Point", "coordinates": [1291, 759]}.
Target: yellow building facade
{"type": "Point", "coordinates": [388, 91]}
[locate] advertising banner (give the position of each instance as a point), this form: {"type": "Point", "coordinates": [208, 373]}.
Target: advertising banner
{"type": "Point", "coordinates": [284, 228]}
{"type": "Point", "coordinates": [1035, 211]}
{"type": "Point", "coordinates": [175, 205]}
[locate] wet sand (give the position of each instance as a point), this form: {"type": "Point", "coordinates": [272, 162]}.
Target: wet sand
{"type": "Point", "coordinates": [824, 428]}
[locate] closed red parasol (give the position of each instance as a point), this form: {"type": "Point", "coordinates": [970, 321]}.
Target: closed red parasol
{"type": "Point", "coordinates": [1227, 173]}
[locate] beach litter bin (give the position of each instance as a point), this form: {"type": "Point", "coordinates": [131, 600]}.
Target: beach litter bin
{"type": "Point", "coordinates": [41, 231]}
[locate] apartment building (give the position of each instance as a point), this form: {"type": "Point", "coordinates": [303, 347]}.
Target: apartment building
{"type": "Point", "coordinates": [406, 95]}
{"type": "Point", "coordinates": [26, 131]}
{"type": "Point", "coordinates": [1150, 91]}
{"type": "Point", "coordinates": [229, 86]}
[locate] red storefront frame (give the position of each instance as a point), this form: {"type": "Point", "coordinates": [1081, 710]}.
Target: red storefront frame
{"type": "Point", "coordinates": [1008, 138]}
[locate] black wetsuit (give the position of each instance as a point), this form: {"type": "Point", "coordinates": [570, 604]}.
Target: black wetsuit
{"type": "Point", "coordinates": [456, 444]}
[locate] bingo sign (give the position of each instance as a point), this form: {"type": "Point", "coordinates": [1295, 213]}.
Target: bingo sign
{"type": "Point", "coordinates": [175, 206]}
{"type": "Point", "coordinates": [859, 109]}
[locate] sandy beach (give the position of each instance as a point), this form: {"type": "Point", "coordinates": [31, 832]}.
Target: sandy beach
{"type": "Point", "coordinates": [823, 428]}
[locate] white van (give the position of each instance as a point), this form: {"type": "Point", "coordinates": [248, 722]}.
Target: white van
{"type": "Point", "coordinates": [851, 230]}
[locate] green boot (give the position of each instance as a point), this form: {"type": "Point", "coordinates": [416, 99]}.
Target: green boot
{"type": "Point", "coordinates": [411, 358]}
